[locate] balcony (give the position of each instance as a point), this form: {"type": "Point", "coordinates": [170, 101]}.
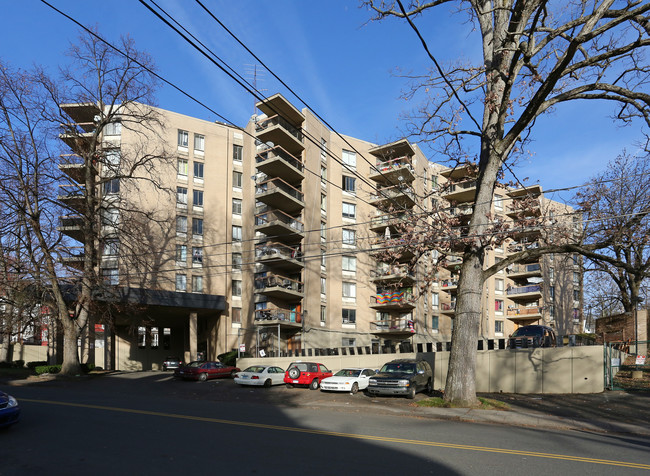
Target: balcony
{"type": "Point", "coordinates": [524, 314]}
{"type": "Point", "coordinates": [461, 192]}
{"type": "Point", "coordinates": [71, 225]}
{"type": "Point", "coordinates": [72, 165]}
{"type": "Point", "coordinates": [524, 270]}
{"type": "Point", "coordinates": [280, 287]}
{"type": "Point", "coordinates": [393, 172]}
{"type": "Point", "coordinates": [397, 300]}
{"type": "Point", "coordinates": [380, 245]}
{"type": "Point", "coordinates": [74, 258]}
{"type": "Point", "coordinates": [462, 213]}
{"type": "Point", "coordinates": [449, 285]}
{"type": "Point", "coordinates": [399, 273]}
{"type": "Point", "coordinates": [401, 196]}
{"type": "Point", "coordinates": [277, 130]}
{"type": "Point", "coordinates": [448, 308]}
{"type": "Point", "coordinates": [284, 318]}
{"type": "Point", "coordinates": [277, 162]}
{"type": "Point", "coordinates": [452, 262]}
{"type": "Point", "coordinates": [401, 326]}
{"type": "Point", "coordinates": [279, 194]}
{"type": "Point", "coordinates": [73, 196]}
{"type": "Point", "coordinates": [279, 256]}
{"type": "Point", "coordinates": [525, 293]}
{"type": "Point", "coordinates": [278, 223]}
{"type": "Point", "coordinates": [379, 223]}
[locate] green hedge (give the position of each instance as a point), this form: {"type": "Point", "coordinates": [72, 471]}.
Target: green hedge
{"type": "Point", "coordinates": [47, 369]}
{"type": "Point", "coordinates": [36, 363]}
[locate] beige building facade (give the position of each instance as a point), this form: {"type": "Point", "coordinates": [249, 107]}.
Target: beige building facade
{"type": "Point", "coordinates": [268, 240]}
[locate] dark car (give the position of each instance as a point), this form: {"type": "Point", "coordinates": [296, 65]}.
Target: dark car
{"type": "Point", "coordinates": [9, 410]}
{"type": "Point", "coordinates": [203, 371]}
{"type": "Point", "coordinates": [403, 377]}
{"type": "Point", "coordinates": [172, 363]}
{"type": "Point", "coordinates": [306, 373]}
{"type": "Point", "coordinates": [532, 336]}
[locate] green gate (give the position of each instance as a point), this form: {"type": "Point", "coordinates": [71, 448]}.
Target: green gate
{"type": "Point", "coordinates": [622, 372]}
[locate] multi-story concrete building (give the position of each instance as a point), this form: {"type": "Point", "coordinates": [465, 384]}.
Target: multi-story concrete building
{"type": "Point", "coordinates": [269, 239]}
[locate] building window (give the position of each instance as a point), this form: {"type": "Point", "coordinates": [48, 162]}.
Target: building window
{"type": "Point", "coordinates": [110, 217]}
{"type": "Point", "coordinates": [236, 260]}
{"type": "Point", "coordinates": [236, 233]}
{"type": "Point", "coordinates": [197, 226]}
{"type": "Point", "coordinates": [349, 290]}
{"type": "Point", "coordinates": [323, 202]}
{"type": "Point", "coordinates": [323, 232]}
{"type": "Point", "coordinates": [237, 153]}
{"type": "Point", "coordinates": [112, 159]}
{"type": "Point", "coordinates": [111, 276]}
{"type": "Point", "coordinates": [112, 187]}
{"type": "Point", "coordinates": [323, 150]}
{"type": "Point", "coordinates": [349, 158]}
{"type": "Point", "coordinates": [236, 206]}
{"type": "Point", "coordinates": [181, 283]}
{"type": "Point", "coordinates": [155, 337]}
{"type": "Point", "coordinates": [323, 175]}
{"type": "Point", "coordinates": [236, 287]}
{"type": "Point", "coordinates": [498, 203]}
{"type": "Point", "coordinates": [576, 259]}
{"type": "Point", "coordinates": [498, 307]}
{"type": "Point", "coordinates": [198, 170]}
{"type": "Point", "coordinates": [551, 273]}
{"type": "Point", "coordinates": [323, 285]}
{"type": "Point", "coordinates": [551, 311]}
{"type": "Point", "coordinates": [435, 300]}
{"type": "Point", "coordinates": [498, 286]}
{"type": "Point", "coordinates": [576, 295]}
{"type": "Point", "coordinates": [349, 236]}
{"type": "Point", "coordinates": [576, 277]}
{"type": "Point", "coordinates": [323, 260]}
{"type": "Point", "coordinates": [183, 138]}
{"type": "Point", "coordinates": [434, 323]}
{"type": "Point", "coordinates": [197, 198]}
{"type": "Point", "coordinates": [349, 263]}
{"type": "Point", "coordinates": [142, 336]}
{"type": "Point", "coordinates": [197, 284]}
{"type": "Point", "coordinates": [236, 315]}
{"type": "Point", "coordinates": [113, 129]}
{"type": "Point", "coordinates": [199, 142]}
{"type": "Point", "coordinates": [181, 224]}
{"type": "Point", "coordinates": [181, 253]}
{"type": "Point", "coordinates": [323, 314]}
{"type": "Point", "coordinates": [237, 178]}
{"type": "Point", "coordinates": [111, 248]}
{"type": "Point", "coordinates": [349, 316]}
{"type": "Point", "coordinates": [182, 168]}
{"type": "Point", "coordinates": [181, 196]}
{"type": "Point", "coordinates": [197, 255]}
{"type": "Point", "coordinates": [349, 184]}
{"type": "Point", "coordinates": [348, 342]}
{"type": "Point", "coordinates": [497, 261]}
{"type": "Point", "coordinates": [498, 328]}
{"type": "Point", "coordinates": [349, 210]}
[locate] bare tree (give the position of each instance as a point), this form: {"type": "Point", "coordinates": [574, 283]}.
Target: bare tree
{"type": "Point", "coordinates": [102, 96]}
{"type": "Point", "coordinates": [537, 55]}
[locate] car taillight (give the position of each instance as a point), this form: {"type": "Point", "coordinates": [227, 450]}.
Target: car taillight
{"type": "Point", "coordinates": [255, 377]}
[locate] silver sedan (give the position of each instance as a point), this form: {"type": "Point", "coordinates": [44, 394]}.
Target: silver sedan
{"type": "Point", "coordinates": [260, 375]}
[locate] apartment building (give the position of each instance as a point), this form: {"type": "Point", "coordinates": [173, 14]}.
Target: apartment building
{"type": "Point", "coordinates": [270, 239]}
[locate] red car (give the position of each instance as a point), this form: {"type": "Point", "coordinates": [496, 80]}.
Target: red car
{"type": "Point", "coordinates": [204, 370]}
{"type": "Point", "coordinates": [306, 373]}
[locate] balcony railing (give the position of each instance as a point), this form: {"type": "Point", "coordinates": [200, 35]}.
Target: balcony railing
{"type": "Point", "coordinates": [457, 187]}
{"type": "Point", "coordinates": [521, 268]}
{"type": "Point", "coordinates": [386, 219]}
{"type": "Point", "coordinates": [394, 164]}
{"type": "Point", "coordinates": [279, 250]}
{"type": "Point", "coordinates": [277, 184]}
{"type": "Point", "coordinates": [448, 306]}
{"type": "Point", "coordinates": [397, 270]}
{"type": "Point", "coordinates": [535, 288]}
{"type": "Point", "coordinates": [278, 315]}
{"type": "Point", "coordinates": [279, 121]}
{"type": "Point", "coordinates": [447, 283]}
{"type": "Point", "coordinates": [514, 247]}
{"type": "Point", "coordinates": [524, 311]}
{"type": "Point", "coordinates": [278, 215]}
{"type": "Point", "coordinates": [401, 324]}
{"type": "Point", "coordinates": [279, 152]}
{"type": "Point", "coordinates": [396, 297]}
{"type": "Point", "coordinates": [393, 192]}
{"type": "Point", "coordinates": [275, 280]}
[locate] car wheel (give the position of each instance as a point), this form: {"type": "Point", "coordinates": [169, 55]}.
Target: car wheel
{"type": "Point", "coordinates": [289, 385]}
{"type": "Point", "coordinates": [355, 388]}
{"type": "Point", "coordinates": [429, 387]}
{"type": "Point", "coordinates": [411, 394]}
{"type": "Point", "coordinates": [294, 372]}
{"type": "Point", "coordinates": [203, 377]}
{"type": "Point", "coordinates": [267, 383]}
{"type": "Point", "coordinates": [313, 385]}
{"type": "Point", "coordinates": [164, 368]}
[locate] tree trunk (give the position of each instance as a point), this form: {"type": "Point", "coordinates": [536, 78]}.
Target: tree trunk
{"type": "Point", "coordinates": [71, 365]}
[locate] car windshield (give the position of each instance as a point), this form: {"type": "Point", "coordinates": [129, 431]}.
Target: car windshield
{"type": "Point", "coordinates": [529, 331]}
{"type": "Point", "coordinates": [399, 368]}
{"type": "Point", "coordinates": [196, 363]}
{"type": "Point", "coordinates": [256, 369]}
{"type": "Point", "coordinates": [347, 373]}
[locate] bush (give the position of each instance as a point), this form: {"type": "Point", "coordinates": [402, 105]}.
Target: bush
{"type": "Point", "coordinates": [19, 364]}
{"type": "Point", "coordinates": [85, 368]}
{"type": "Point", "coordinates": [36, 363]}
{"type": "Point", "coordinates": [6, 365]}
{"type": "Point", "coordinates": [47, 369]}
{"type": "Point", "coordinates": [230, 358]}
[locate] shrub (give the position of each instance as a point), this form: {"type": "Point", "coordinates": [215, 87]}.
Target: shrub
{"type": "Point", "coordinates": [47, 369]}
{"type": "Point", "coordinates": [19, 364]}
{"type": "Point", "coordinates": [87, 368]}
{"type": "Point", "coordinates": [230, 358]}
{"type": "Point", "coordinates": [36, 363]}
{"type": "Point", "coordinates": [6, 365]}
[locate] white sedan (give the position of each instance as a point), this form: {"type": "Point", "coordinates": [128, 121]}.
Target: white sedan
{"type": "Point", "coordinates": [261, 375]}
{"type": "Point", "coordinates": [347, 380]}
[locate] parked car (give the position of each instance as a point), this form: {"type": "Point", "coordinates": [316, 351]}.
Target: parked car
{"type": "Point", "coordinates": [9, 410]}
{"type": "Point", "coordinates": [347, 380]}
{"type": "Point", "coordinates": [259, 375]}
{"type": "Point", "coordinates": [532, 336]}
{"type": "Point", "coordinates": [402, 377]}
{"type": "Point", "coordinates": [172, 363]}
{"type": "Point", "coordinates": [203, 371]}
{"type": "Point", "coordinates": [306, 373]}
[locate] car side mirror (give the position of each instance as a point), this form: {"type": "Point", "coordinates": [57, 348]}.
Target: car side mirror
{"type": "Point", "coordinates": [421, 372]}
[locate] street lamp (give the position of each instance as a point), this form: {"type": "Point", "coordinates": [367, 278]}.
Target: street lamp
{"type": "Point", "coordinates": [636, 300]}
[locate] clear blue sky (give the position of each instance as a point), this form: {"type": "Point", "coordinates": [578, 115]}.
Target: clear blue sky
{"type": "Point", "coordinates": [325, 51]}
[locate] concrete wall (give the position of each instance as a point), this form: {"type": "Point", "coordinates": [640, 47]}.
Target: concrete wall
{"type": "Point", "coordinates": [548, 370]}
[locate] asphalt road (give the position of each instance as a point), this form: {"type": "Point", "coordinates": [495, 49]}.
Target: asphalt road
{"type": "Point", "coordinates": [146, 423]}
